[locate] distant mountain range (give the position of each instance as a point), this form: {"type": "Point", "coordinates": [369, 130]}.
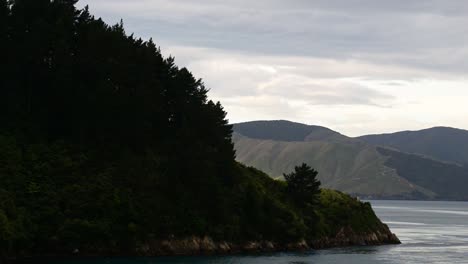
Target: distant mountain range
{"type": "Point", "coordinates": [443, 143]}
{"type": "Point", "coordinates": [426, 164]}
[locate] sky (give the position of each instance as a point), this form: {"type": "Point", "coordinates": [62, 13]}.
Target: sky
{"type": "Point", "coordinates": [356, 66]}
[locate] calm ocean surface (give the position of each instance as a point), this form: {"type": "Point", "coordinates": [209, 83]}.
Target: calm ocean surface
{"type": "Point", "coordinates": [431, 232]}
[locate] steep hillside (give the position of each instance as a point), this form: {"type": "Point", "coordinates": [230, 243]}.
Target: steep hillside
{"type": "Point", "coordinates": [283, 130]}
{"type": "Point", "coordinates": [107, 147]}
{"type": "Point", "coordinates": [350, 165]}
{"type": "Point", "coordinates": [442, 143]}
{"type": "Point", "coordinates": [448, 180]}
{"type": "Point", "coordinates": [354, 168]}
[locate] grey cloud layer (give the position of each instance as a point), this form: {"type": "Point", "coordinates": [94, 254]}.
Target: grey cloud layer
{"type": "Point", "coordinates": [421, 34]}
{"type": "Point", "coordinates": [360, 66]}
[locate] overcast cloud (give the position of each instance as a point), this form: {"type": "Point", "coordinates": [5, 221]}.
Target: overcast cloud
{"type": "Point", "coordinates": [356, 66]}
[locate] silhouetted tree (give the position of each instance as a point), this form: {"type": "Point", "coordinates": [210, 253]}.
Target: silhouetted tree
{"type": "Point", "coordinates": [303, 185]}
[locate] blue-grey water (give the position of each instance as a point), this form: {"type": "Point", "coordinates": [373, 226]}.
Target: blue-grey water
{"type": "Point", "coordinates": [431, 232]}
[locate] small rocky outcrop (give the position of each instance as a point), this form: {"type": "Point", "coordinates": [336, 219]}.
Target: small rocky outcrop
{"type": "Point", "coordinates": [348, 237]}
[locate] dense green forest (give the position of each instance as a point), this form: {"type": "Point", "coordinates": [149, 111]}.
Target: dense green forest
{"type": "Point", "coordinates": [105, 143]}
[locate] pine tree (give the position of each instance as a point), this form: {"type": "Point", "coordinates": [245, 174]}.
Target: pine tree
{"type": "Point", "coordinates": [303, 185]}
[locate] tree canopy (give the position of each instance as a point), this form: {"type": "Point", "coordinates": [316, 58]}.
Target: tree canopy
{"type": "Point", "coordinates": [105, 144]}
{"type": "Point", "coordinates": [303, 185]}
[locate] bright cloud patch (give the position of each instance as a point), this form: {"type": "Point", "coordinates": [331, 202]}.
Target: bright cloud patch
{"type": "Point", "coordinates": [355, 66]}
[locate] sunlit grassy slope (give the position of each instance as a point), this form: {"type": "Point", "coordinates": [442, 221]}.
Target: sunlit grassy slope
{"type": "Point", "coordinates": [347, 164]}
{"type": "Point", "coordinates": [351, 167]}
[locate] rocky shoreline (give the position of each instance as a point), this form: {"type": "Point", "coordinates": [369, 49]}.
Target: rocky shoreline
{"type": "Point", "coordinates": [347, 237]}
{"type": "Point", "coordinates": [196, 246]}
{"type": "Point", "coordinates": [207, 246]}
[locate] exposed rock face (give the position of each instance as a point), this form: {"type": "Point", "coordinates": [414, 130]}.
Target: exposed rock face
{"type": "Point", "coordinates": [192, 246]}
{"type": "Point", "coordinates": [347, 237]}
{"type": "Point", "coordinates": [202, 245]}
{"type": "Point", "coordinates": [206, 245]}
{"type": "Point", "coordinates": [186, 246]}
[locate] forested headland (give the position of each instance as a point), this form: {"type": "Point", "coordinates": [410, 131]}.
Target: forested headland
{"type": "Point", "coordinates": [105, 144]}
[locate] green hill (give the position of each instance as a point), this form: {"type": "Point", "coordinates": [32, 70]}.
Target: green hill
{"type": "Point", "coordinates": [283, 130]}
{"type": "Point", "coordinates": [448, 180]}
{"type": "Point", "coordinates": [442, 143]}
{"type": "Point", "coordinates": [108, 148]}
{"type": "Point", "coordinates": [347, 164]}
